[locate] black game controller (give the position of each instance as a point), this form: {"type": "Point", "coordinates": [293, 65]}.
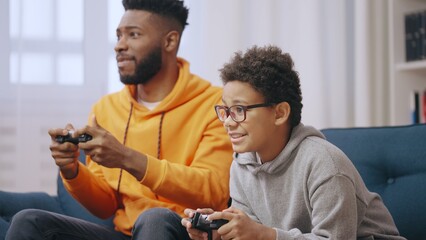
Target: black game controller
{"type": "Point", "coordinates": [200, 222]}
{"type": "Point", "coordinates": [68, 138]}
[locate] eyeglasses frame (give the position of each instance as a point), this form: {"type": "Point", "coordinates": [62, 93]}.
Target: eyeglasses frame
{"type": "Point", "coordinates": [245, 108]}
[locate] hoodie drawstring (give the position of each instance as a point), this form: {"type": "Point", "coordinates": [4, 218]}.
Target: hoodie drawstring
{"type": "Point", "coordinates": [124, 143]}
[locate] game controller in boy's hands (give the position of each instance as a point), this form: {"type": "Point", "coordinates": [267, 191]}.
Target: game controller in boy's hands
{"type": "Point", "coordinates": [68, 138]}
{"type": "Point", "coordinates": [200, 222]}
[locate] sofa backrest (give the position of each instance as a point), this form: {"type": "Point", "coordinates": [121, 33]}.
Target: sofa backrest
{"type": "Point", "coordinates": [392, 163]}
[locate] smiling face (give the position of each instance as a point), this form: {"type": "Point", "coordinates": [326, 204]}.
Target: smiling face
{"type": "Point", "coordinates": [259, 132]}
{"type": "Point", "coordinates": [138, 48]}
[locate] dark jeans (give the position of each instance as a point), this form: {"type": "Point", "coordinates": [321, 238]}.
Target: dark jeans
{"type": "Point", "coordinates": [159, 224]}
{"type": "Point", "coordinates": [34, 224]}
{"type": "Point", "coordinates": [40, 224]}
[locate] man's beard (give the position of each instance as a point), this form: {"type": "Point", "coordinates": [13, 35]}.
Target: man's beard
{"type": "Point", "coordinates": [145, 70]}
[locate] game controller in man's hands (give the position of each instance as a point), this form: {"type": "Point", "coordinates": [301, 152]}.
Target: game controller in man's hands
{"type": "Point", "coordinates": [68, 138]}
{"type": "Point", "coordinates": [200, 222]}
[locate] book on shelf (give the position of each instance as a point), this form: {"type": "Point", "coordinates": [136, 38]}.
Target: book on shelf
{"type": "Point", "coordinates": [423, 34]}
{"type": "Point", "coordinates": [414, 107]}
{"type": "Point", "coordinates": [415, 35]}
{"type": "Point", "coordinates": [423, 107]}
{"type": "Point", "coordinates": [418, 106]}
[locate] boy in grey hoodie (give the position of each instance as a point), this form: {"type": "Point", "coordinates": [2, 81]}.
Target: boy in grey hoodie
{"type": "Point", "coordinates": [287, 181]}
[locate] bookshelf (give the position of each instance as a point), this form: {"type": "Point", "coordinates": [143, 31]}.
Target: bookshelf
{"type": "Point", "coordinates": [405, 76]}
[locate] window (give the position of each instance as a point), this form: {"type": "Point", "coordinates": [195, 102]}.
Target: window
{"type": "Point", "coordinates": [46, 39]}
{"type": "Point", "coordinates": [54, 68]}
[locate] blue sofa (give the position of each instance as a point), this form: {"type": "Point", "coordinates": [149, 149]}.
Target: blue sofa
{"type": "Point", "coordinates": [391, 160]}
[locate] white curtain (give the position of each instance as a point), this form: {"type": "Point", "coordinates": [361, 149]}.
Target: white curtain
{"type": "Point", "coordinates": [336, 45]}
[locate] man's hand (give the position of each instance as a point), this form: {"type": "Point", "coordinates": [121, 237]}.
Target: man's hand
{"type": "Point", "coordinates": [64, 154]}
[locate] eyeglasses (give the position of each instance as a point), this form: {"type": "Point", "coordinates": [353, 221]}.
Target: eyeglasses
{"type": "Point", "coordinates": [237, 112]}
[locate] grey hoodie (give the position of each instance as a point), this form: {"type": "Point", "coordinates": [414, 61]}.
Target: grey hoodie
{"type": "Point", "coordinates": [311, 190]}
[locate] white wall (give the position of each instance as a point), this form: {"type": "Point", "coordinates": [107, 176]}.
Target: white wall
{"type": "Point", "coordinates": [313, 32]}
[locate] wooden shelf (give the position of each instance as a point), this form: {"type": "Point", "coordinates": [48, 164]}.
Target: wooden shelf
{"type": "Point", "coordinates": [414, 65]}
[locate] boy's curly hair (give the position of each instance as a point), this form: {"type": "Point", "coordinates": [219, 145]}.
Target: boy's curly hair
{"type": "Point", "coordinates": [270, 72]}
{"type": "Point", "coordinates": [170, 9]}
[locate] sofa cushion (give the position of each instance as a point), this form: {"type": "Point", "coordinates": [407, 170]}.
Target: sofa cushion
{"type": "Point", "coordinates": [392, 162]}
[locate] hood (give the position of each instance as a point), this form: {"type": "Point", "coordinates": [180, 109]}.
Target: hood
{"type": "Point", "coordinates": [187, 87]}
{"type": "Point", "coordinates": [298, 135]}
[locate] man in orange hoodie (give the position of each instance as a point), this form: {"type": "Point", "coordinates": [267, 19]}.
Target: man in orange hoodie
{"type": "Point", "coordinates": [156, 148]}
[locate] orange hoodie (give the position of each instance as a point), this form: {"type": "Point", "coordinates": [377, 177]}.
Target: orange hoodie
{"type": "Point", "coordinates": [195, 154]}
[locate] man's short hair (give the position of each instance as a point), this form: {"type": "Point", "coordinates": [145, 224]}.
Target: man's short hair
{"type": "Point", "coordinates": [170, 9]}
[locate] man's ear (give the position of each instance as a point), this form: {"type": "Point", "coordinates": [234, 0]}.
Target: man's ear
{"type": "Point", "coordinates": [171, 42]}
{"type": "Point", "coordinates": [282, 113]}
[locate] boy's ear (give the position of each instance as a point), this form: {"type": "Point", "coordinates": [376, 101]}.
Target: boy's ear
{"type": "Point", "coordinates": [282, 113]}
